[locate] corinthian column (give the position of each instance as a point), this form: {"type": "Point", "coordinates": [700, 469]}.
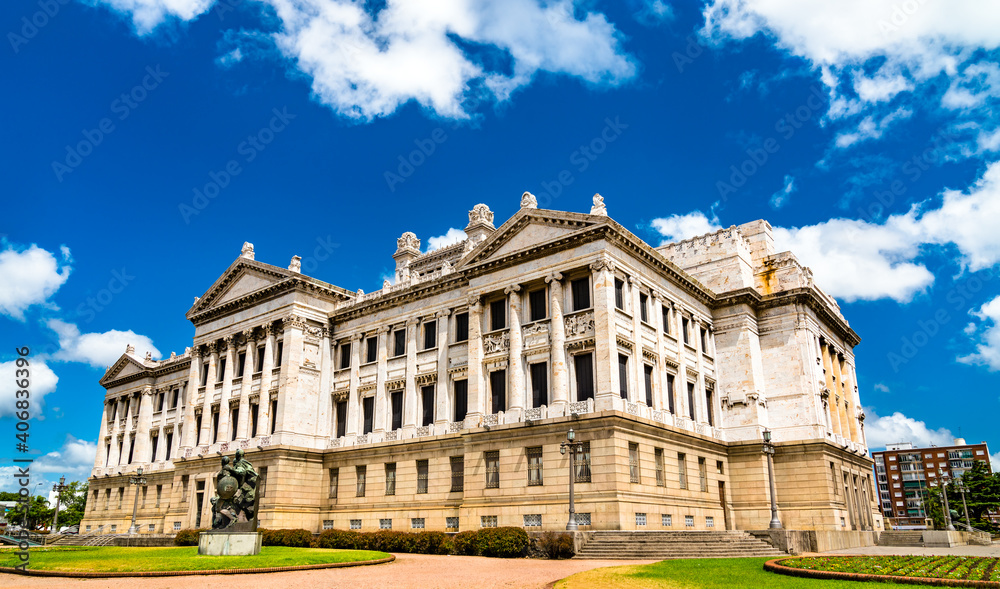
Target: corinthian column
{"type": "Point", "coordinates": [190, 397]}
{"type": "Point", "coordinates": [224, 434]}
{"type": "Point", "coordinates": [264, 413]}
{"type": "Point", "coordinates": [243, 415]}
{"type": "Point", "coordinates": [477, 390]}
{"type": "Point", "coordinates": [557, 345]}
{"type": "Point", "coordinates": [353, 398]}
{"type": "Point", "coordinates": [206, 407]}
{"type": "Point", "coordinates": [102, 443]}
{"type": "Point", "coordinates": [381, 370]}
{"type": "Point", "coordinates": [442, 411]}
{"type": "Point", "coordinates": [606, 345]}
{"type": "Point", "coordinates": [515, 402]}
{"type": "Point", "coordinates": [410, 391]}
{"type": "Point", "coordinates": [145, 419]}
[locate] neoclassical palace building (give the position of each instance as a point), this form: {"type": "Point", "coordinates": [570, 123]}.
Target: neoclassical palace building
{"type": "Point", "coordinates": [440, 401]}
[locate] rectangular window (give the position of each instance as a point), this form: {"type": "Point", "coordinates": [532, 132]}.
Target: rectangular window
{"type": "Point", "coordinates": [176, 399]}
{"type": "Point", "coordinates": [160, 397]}
{"type": "Point", "coordinates": [457, 474]}
{"type": "Point", "coordinates": [691, 400]}
{"type": "Point", "coordinates": [647, 373]}
{"type": "Point", "coordinates": [273, 417]}
{"type": "Point", "coordinates": [355, 524]}
{"type": "Point", "coordinates": [430, 335]}
{"type": "Point", "coordinates": [619, 294]}
{"type": "Point", "coordinates": [399, 342]}
{"type": "Point", "coordinates": [221, 372]}
{"type": "Point", "coordinates": [371, 349]}
{"type": "Point", "coordinates": [385, 524]}
{"type": "Point", "coordinates": [682, 474]}
{"type": "Point", "coordinates": [536, 300]}
{"type": "Point", "coordinates": [689, 521]}
{"type": "Point", "coordinates": [368, 407]}
{"type": "Point", "coordinates": [234, 422]}
{"type": "Point", "coordinates": [583, 365]}
{"type": "Point", "coordinates": [533, 520]}
{"type": "Point", "coordinates": [215, 430]}
{"type": "Point", "coordinates": [643, 303]}
{"type": "Point", "coordinates": [583, 519]}
{"type": "Point", "coordinates": [334, 482]}
{"type": "Point", "coordinates": [390, 478]}
{"type": "Point", "coordinates": [583, 464]}
{"type": "Point", "coordinates": [341, 419]}
{"type": "Point", "coordinates": [708, 407]}
{"type": "Point", "coordinates": [241, 362]}
{"type": "Point", "coordinates": [488, 521]}
{"type": "Point", "coordinates": [345, 355]}
{"type": "Point", "coordinates": [704, 340]}
{"type": "Point", "coordinates": [640, 519]}
{"type": "Point", "coordinates": [665, 311]}
{"type": "Point", "coordinates": [709, 521]}
{"type": "Point", "coordinates": [461, 399]}
{"type": "Point", "coordinates": [328, 524]}
{"type": "Point", "coordinates": [633, 462]}
{"type": "Point", "coordinates": [253, 421]}
{"type": "Point", "coordinates": [685, 330]}
{"type": "Point", "coordinates": [451, 523]}
{"type": "Point", "coordinates": [362, 474]}
{"type": "Point", "coordinates": [498, 390]}
{"type": "Point", "coordinates": [170, 444]}
{"type": "Point", "coordinates": [153, 441]}
{"type": "Point", "coordinates": [492, 469]}
{"type": "Point", "coordinates": [720, 467]}
{"type": "Point", "coordinates": [534, 455]}
{"type": "Point", "coordinates": [670, 394]}
{"type": "Point", "coordinates": [666, 520]}
{"type": "Point", "coordinates": [703, 475]}
{"type": "Point", "coordinates": [623, 375]}
{"type": "Point", "coordinates": [427, 404]}
{"type": "Point", "coordinates": [498, 314]}
{"type": "Point", "coordinates": [204, 374]}
{"type": "Point", "coordinates": [260, 359]}
{"type": "Point", "coordinates": [396, 401]}
{"type": "Point", "coordinates": [423, 470]}
{"type": "Point", "coordinates": [462, 327]}
{"type": "Point", "coordinates": [540, 384]}
{"type": "Point", "coordinates": [279, 354]}
{"type": "Point", "coordinates": [581, 293]}
{"type": "Point", "coordinates": [416, 523]}
{"type": "Point", "coordinates": [658, 460]}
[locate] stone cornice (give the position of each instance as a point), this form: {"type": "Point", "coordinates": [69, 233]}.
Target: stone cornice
{"type": "Point", "coordinates": [149, 372]}
{"type": "Point", "coordinates": [801, 296]}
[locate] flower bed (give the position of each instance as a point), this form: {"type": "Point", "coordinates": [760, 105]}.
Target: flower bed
{"type": "Point", "coordinates": [967, 570]}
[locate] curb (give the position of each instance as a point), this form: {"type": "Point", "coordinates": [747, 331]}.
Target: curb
{"type": "Point", "coordinates": [116, 574]}
{"type": "Point", "coordinates": [775, 566]}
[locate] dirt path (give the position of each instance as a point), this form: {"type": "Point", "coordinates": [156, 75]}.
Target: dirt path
{"type": "Point", "coordinates": [409, 570]}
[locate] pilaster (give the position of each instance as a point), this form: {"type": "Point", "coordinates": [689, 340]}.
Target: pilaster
{"type": "Point", "coordinates": [144, 420]}
{"type": "Point", "coordinates": [606, 345]}
{"type": "Point", "coordinates": [225, 431]}
{"type": "Point", "coordinates": [477, 389]}
{"type": "Point", "coordinates": [264, 414]}
{"type": "Point", "coordinates": [557, 344]}
{"type": "Point", "coordinates": [246, 382]}
{"type": "Point", "coordinates": [410, 390]}
{"type": "Point", "coordinates": [354, 415]}
{"type": "Point", "coordinates": [381, 371]}
{"type": "Point", "coordinates": [442, 411]}
{"type": "Point", "coordinates": [515, 376]}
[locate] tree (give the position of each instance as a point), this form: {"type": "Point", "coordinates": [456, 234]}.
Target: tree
{"type": "Point", "coordinates": [39, 513]}
{"type": "Point", "coordinates": [73, 504]}
{"type": "Point", "coordinates": [982, 493]}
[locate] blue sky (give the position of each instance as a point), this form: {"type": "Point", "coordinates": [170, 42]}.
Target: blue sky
{"type": "Point", "coordinates": [147, 140]}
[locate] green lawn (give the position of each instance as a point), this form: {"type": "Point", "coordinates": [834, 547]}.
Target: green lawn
{"type": "Point", "coordinates": [121, 559]}
{"type": "Point", "coordinates": [709, 573]}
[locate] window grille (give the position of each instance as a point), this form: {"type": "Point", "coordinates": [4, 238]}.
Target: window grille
{"type": "Point", "coordinates": [532, 520]}
{"type": "Point", "coordinates": [583, 464]}
{"type": "Point", "coordinates": [422, 469]}
{"type": "Point", "coordinates": [355, 524]}
{"type": "Point", "coordinates": [633, 462]}
{"type": "Point", "coordinates": [417, 523]}
{"type": "Point", "coordinates": [328, 524]}
{"type": "Point", "coordinates": [385, 524]}
{"type": "Point", "coordinates": [666, 520]}
{"type": "Point", "coordinates": [583, 519]}
{"type": "Point", "coordinates": [451, 523]}
{"type": "Point", "coordinates": [534, 466]}
{"type": "Point", "coordinates": [457, 474]}
{"type": "Point", "coordinates": [640, 519]}
{"type": "Point", "coordinates": [488, 521]}
{"type": "Point", "coordinates": [493, 469]}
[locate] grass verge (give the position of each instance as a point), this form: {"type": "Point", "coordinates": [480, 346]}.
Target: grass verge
{"type": "Point", "coordinates": [185, 558]}
{"type": "Point", "coordinates": [708, 573]}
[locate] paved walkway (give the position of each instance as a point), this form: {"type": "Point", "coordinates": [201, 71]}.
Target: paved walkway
{"type": "Point", "coordinates": [918, 550]}
{"type": "Point", "coordinates": [409, 570]}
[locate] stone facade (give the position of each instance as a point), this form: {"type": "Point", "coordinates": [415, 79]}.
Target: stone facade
{"type": "Point", "coordinates": [439, 402]}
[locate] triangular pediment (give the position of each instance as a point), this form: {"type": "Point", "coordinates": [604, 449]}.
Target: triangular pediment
{"type": "Point", "coordinates": [243, 277]}
{"type": "Point", "coordinates": [528, 229]}
{"type": "Point", "coordinates": [125, 366]}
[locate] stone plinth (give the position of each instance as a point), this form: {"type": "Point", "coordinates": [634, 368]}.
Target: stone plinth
{"type": "Point", "coordinates": [229, 543]}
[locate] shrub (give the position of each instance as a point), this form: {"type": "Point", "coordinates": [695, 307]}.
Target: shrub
{"type": "Point", "coordinates": [343, 539]}
{"type": "Point", "coordinates": [502, 542]}
{"type": "Point", "coordinates": [556, 545]}
{"type": "Point", "coordinates": [293, 538]}
{"type": "Point", "coordinates": [464, 543]}
{"type": "Point", "coordinates": [187, 537]}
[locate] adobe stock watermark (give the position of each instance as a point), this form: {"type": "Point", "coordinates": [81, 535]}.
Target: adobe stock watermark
{"type": "Point", "coordinates": [900, 14]}
{"type": "Point", "coordinates": [425, 148]}
{"type": "Point", "coordinates": [248, 149]}
{"type": "Point", "coordinates": [321, 253]}
{"type": "Point", "coordinates": [32, 24]}
{"type": "Point", "coordinates": [123, 107]}
{"type": "Point", "coordinates": [580, 160]}
{"type": "Point", "coordinates": [786, 127]}
{"type": "Point", "coordinates": [929, 327]}
{"type": "Point", "coordinates": [692, 51]}
{"type": "Point", "coordinates": [92, 305]}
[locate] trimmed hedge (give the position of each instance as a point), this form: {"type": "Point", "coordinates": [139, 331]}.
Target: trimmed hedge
{"type": "Point", "coordinates": [188, 537]}
{"type": "Point", "coordinates": [297, 538]}
{"type": "Point", "coordinates": [502, 542]}
{"type": "Point", "coordinates": [386, 541]}
{"type": "Point", "coordinates": [464, 543]}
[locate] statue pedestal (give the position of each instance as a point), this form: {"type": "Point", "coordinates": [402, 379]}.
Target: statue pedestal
{"type": "Point", "coordinates": [226, 543]}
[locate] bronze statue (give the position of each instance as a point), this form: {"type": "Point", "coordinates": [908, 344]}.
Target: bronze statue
{"type": "Point", "coordinates": [236, 495]}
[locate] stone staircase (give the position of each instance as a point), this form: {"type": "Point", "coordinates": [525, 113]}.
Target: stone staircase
{"type": "Point", "coordinates": [621, 545]}
{"type": "Point", "coordinates": [901, 538]}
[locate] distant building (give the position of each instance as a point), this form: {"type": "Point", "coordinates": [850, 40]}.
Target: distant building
{"type": "Point", "coordinates": [439, 401]}
{"type": "Point", "coordinates": [904, 473]}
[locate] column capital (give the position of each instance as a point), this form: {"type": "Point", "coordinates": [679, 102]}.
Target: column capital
{"type": "Point", "coordinates": [474, 300]}
{"type": "Point", "coordinates": [382, 330]}
{"type": "Point", "coordinates": [655, 295]}
{"type": "Point", "coordinates": [146, 391]}
{"type": "Point", "coordinates": [214, 347]}
{"type": "Point", "coordinates": [553, 277]}
{"type": "Point", "coordinates": [356, 338]}
{"type": "Point", "coordinates": [514, 288]}
{"type": "Point", "coordinates": [293, 321]}
{"type": "Point", "coordinates": [412, 321]}
{"type": "Point", "coordinates": [326, 331]}
{"type": "Point", "coordinates": [443, 314]}
{"type": "Point", "coordinates": [196, 352]}
{"type": "Point", "coordinates": [269, 329]}
{"type": "Point", "coordinates": [248, 334]}
{"type": "Point", "coordinates": [604, 262]}
{"type": "Point", "coordinates": [229, 341]}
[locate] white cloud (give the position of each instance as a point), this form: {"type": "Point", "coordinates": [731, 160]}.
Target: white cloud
{"type": "Point", "coordinates": [100, 350]}
{"type": "Point", "coordinates": [897, 427]}
{"type": "Point", "coordinates": [29, 277]}
{"type": "Point", "coordinates": [654, 12]}
{"type": "Point", "coordinates": [781, 197]}
{"type": "Point", "coordinates": [874, 55]}
{"type": "Point", "coordinates": [452, 236]}
{"type": "Point", "coordinates": [988, 350]}
{"type": "Point", "coordinates": [74, 460]}
{"type": "Point", "coordinates": [366, 66]}
{"type": "Point", "coordinates": [41, 381]}
{"type": "Point", "coordinates": [881, 387]}
{"type": "Point", "coordinates": [995, 461]}
{"type": "Point", "coordinates": [681, 227]}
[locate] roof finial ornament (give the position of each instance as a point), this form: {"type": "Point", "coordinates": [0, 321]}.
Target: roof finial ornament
{"type": "Point", "coordinates": [528, 201]}
{"type": "Point", "coordinates": [129, 349]}
{"type": "Point", "coordinates": [296, 264]}
{"type": "Point", "coordinates": [247, 251]}
{"type": "Point", "coordinates": [599, 208]}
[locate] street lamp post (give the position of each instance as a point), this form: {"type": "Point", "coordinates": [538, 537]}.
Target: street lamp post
{"type": "Point", "coordinates": [965, 507]}
{"type": "Point", "coordinates": [574, 447]}
{"type": "Point", "coordinates": [58, 489]}
{"type": "Point", "coordinates": [769, 452]}
{"type": "Point", "coordinates": [944, 496]}
{"type": "Point", "coordinates": [139, 481]}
